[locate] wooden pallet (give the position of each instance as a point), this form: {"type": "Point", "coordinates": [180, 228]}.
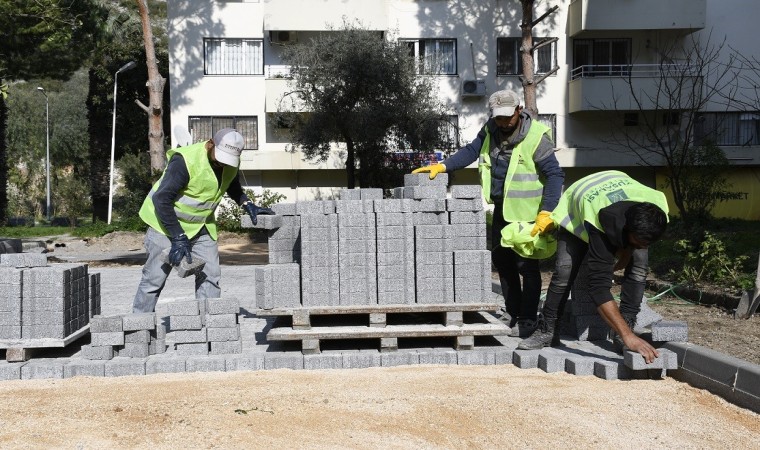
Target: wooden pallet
{"type": "Point", "coordinates": [18, 350]}
{"type": "Point", "coordinates": [388, 323]}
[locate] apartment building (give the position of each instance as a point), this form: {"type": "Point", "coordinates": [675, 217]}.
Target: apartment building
{"type": "Point", "coordinates": [226, 70]}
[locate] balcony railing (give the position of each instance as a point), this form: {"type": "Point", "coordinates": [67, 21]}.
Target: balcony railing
{"type": "Point", "coordinates": [277, 71]}
{"type": "Point", "coordinates": [631, 70]}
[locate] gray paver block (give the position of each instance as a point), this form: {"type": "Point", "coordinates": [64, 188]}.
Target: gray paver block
{"type": "Point", "coordinates": [476, 356]}
{"type": "Point", "coordinates": [525, 359]}
{"type": "Point", "coordinates": [283, 360]}
{"type": "Point", "coordinates": [324, 360]}
{"type": "Point", "coordinates": [120, 367]}
{"type": "Point", "coordinates": [263, 222]}
{"type": "Point", "coordinates": [106, 324]}
{"type": "Point", "coordinates": [444, 356]}
{"type": "Point", "coordinates": [245, 362]}
{"type": "Point", "coordinates": [670, 331]}
{"type": "Point", "coordinates": [43, 368]}
{"type": "Point", "coordinates": [138, 321]}
{"type": "Point", "coordinates": [399, 358]}
{"type": "Point", "coordinates": [187, 336]}
{"type": "Point", "coordinates": [10, 371]}
{"type": "Point", "coordinates": [134, 350]}
{"type": "Point", "coordinates": [223, 334]}
{"type": "Point", "coordinates": [95, 352]}
{"type": "Point", "coordinates": [221, 320]}
{"type": "Point", "coordinates": [84, 369]}
{"type": "Point", "coordinates": [503, 355]}
{"type": "Point", "coordinates": [137, 337]}
{"type": "Point", "coordinates": [173, 364]}
{"type": "Point", "coordinates": [182, 308]}
{"type": "Point", "coordinates": [110, 338]}
{"type": "Point", "coordinates": [580, 365]}
{"type": "Point", "coordinates": [185, 268]}
{"type": "Point", "coordinates": [225, 348]}
{"type": "Point", "coordinates": [465, 191]}
{"type": "Point", "coordinates": [185, 322]}
{"type": "Point", "coordinates": [551, 360]}
{"type": "Point", "coordinates": [361, 359]}
{"type": "Point", "coordinates": [612, 370]}
{"type": "Point", "coordinates": [222, 306]}
{"type": "Point", "coordinates": [192, 349]}
{"type": "Point", "coordinates": [206, 364]}
{"type": "Point", "coordinates": [284, 209]}
{"type": "Point", "coordinates": [23, 260]}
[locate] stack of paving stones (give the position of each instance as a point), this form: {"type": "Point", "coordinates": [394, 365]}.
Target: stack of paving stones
{"type": "Point", "coordinates": [41, 301]}
{"type": "Point", "coordinates": [580, 318]}
{"type": "Point", "coordinates": [418, 247]}
{"type": "Point", "coordinates": [204, 327]}
{"type": "Point", "coordinates": [129, 335]}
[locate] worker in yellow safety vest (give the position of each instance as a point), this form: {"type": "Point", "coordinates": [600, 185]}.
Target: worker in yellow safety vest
{"type": "Point", "coordinates": [521, 177]}
{"type": "Point", "coordinates": [608, 216]}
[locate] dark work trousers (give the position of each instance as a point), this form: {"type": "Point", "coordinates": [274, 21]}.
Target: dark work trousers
{"type": "Point", "coordinates": [521, 298]}
{"type": "Point", "coordinates": [571, 251]}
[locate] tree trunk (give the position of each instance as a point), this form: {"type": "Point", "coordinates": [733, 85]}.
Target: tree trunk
{"type": "Point", "coordinates": [526, 53]}
{"type": "Point", "coordinates": [3, 162]}
{"type": "Point", "coordinates": [99, 129]}
{"type": "Point", "coordinates": [350, 164]}
{"type": "Point", "coordinates": [155, 86]}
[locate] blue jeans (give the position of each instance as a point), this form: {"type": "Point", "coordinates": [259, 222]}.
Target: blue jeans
{"type": "Point", "coordinates": [155, 271]}
{"type": "Point", "coordinates": [571, 251]}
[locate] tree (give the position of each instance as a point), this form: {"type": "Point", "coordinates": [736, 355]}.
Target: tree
{"type": "Point", "coordinates": [360, 89]}
{"type": "Point", "coordinates": [668, 102]}
{"type": "Point", "coordinates": [528, 50]}
{"type": "Point", "coordinates": [44, 38]}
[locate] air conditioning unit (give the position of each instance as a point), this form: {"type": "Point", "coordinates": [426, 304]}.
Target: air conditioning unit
{"type": "Point", "coordinates": [282, 37]}
{"type": "Point", "coordinates": [473, 88]}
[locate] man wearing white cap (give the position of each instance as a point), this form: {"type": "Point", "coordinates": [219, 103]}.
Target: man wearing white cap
{"type": "Point", "coordinates": [520, 175]}
{"type": "Point", "coordinates": [179, 211]}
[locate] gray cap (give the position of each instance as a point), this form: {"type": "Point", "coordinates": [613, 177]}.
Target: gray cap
{"type": "Point", "coordinates": [228, 145]}
{"type": "Point", "coordinates": [503, 103]}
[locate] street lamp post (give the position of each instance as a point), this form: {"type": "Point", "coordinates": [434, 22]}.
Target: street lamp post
{"type": "Point", "coordinates": [124, 68]}
{"type": "Point", "coordinates": [47, 150]}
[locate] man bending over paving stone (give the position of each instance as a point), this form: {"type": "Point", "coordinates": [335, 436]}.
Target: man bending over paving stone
{"type": "Point", "coordinates": [604, 215]}
{"type": "Point", "coordinates": [180, 212]}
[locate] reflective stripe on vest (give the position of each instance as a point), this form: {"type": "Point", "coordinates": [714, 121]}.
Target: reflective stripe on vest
{"type": "Point", "coordinates": [522, 184]}
{"type": "Point", "coordinates": [199, 199]}
{"type": "Point", "coordinates": [581, 202]}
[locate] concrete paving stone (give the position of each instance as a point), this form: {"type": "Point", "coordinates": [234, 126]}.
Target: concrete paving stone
{"type": "Point", "coordinates": [476, 356]}
{"type": "Point", "coordinates": [94, 352]}
{"type": "Point", "coordinates": [353, 207]}
{"type": "Point", "coordinates": [106, 324]}
{"type": "Point", "coordinates": [223, 334]}
{"type": "Point", "coordinates": [525, 359]}
{"type": "Point", "coordinates": [206, 364]}
{"type": "Point", "coordinates": [580, 365]}
{"type": "Point", "coordinates": [19, 260]}
{"type": "Point", "coordinates": [10, 371]}
{"type": "Point", "coordinates": [192, 349]}
{"type": "Point", "coordinates": [245, 362]}
{"type": "Point", "coordinates": [141, 350]}
{"type": "Point", "coordinates": [464, 205]}
{"type": "Point", "coordinates": [431, 205]}
{"type": "Point", "coordinates": [10, 331]}
{"type": "Point", "coordinates": [466, 191]}
{"type": "Point", "coordinates": [221, 320]}
{"type": "Point", "coordinates": [444, 356]}
{"type": "Point", "coordinates": [646, 316]}
{"type": "Point", "coordinates": [324, 360]}
{"type": "Point", "coordinates": [43, 368]}
{"type": "Point", "coordinates": [711, 364]}
{"type": "Point", "coordinates": [350, 194]}
{"type": "Point", "coordinates": [137, 337]}
{"type": "Point", "coordinates": [427, 218]}
{"type": "Point", "coordinates": [157, 346]}
{"type": "Point", "coordinates": [425, 192]}
{"type": "Point", "coordinates": [467, 217]}
{"type": "Point", "coordinates": [670, 331]}
{"type": "Point", "coordinates": [222, 306]}
{"type": "Point", "coordinates": [360, 359]}
{"type": "Point", "coordinates": [182, 308]}
{"type": "Point", "coordinates": [187, 336]}
{"type": "Point", "coordinates": [165, 364]}
{"type": "Point", "coordinates": [225, 348]}
{"type": "Point", "coordinates": [185, 322]}
{"type": "Point", "coordinates": [119, 367]}
{"type": "Point", "coordinates": [138, 321]}
{"type": "Point", "coordinates": [313, 207]}
{"type": "Point", "coordinates": [263, 222]}
{"type": "Point", "coordinates": [393, 205]}
{"type": "Point", "coordinates": [371, 194]}
{"type": "Point", "coordinates": [551, 360]}
{"type": "Point", "coordinates": [612, 370]}
{"type": "Point", "coordinates": [110, 338]}
{"type": "Point", "coordinates": [283, 360]}
{"type": "Point", "coordinates": [423, 179]}
{"type": "Point", "coordinates": [401, 357]}
{"type": "Point", "coordinates": [504, 354]}
{"type": "Point", "coordinates": [284, 209]}
{"type": "Point", "coordinates": [84, 369]}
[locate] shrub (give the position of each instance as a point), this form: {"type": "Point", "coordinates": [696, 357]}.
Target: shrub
{"type": "Point", "coordinates": [228, 214]}
{"type": "Point", "coordinates": [708, 261]}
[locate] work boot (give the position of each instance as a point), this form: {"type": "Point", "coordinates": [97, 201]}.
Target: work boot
{"type": "Point", "coordinates": [523, 328]}
{"type": "Point", "coordinates": [545, 335]}
{"type": "Point", "coordinates": [508, 319]}
{"type": "Point", "coordinates": [617, 341]}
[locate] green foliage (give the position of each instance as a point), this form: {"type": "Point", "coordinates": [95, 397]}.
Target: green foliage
{"type": "Point", "coordinates": [362, 90]}
{"type": "Point", "coordinates": [71, 197]}
{"type": "Point", "coordinates": [136, 181]}
{"type": "Point", "coordinates": [708, 261]}
{"type": "Point", "coordinates": [228, 214]}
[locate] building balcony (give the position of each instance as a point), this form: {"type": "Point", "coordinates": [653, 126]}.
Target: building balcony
{"type": "Point", "coordinates": [639, 87]}
{"type": "Point", "coordinates": [309, 15]}
{"type": "Point", "coordinates": [615, 15]}
{"type": "Point", "coordinates": [278, 86]}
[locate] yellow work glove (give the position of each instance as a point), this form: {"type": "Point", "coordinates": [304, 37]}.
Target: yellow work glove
{"type": "Point", "coordinates": [433, 169]}
{"type": "Point", "coordinates": [543, 224]}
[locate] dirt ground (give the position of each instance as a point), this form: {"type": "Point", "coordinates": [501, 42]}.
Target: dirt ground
{"type": "Point", "coordinates": [469, 407]}
{"type": "Point", "coordinates": [398, 407]}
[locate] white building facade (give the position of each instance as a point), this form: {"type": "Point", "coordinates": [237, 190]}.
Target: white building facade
{"type": "Point", "coordinates": [226, 70]}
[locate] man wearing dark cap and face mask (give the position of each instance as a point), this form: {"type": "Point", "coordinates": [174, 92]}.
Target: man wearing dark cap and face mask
{"type": "Point", "coordinates": [521, 176]}
{"type": "Point", "coordinates": [179, 211]}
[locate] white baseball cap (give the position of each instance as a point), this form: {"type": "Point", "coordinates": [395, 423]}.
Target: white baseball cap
{"type": "Point", "coordinates": [503, 103]}
{"type": "Point", "coordinates": [228, 144]}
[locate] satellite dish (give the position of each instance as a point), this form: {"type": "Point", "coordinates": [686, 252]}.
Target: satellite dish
{"type": "Point", "coordinates": [181, 137]}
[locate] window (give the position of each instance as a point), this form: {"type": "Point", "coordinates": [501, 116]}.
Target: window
{"type": "Point", "coordinates": [433, 56]}
{"type": "Point", "coordinates": [234, 56]}
{"type": "Point", "coordinates": [601, 57]}
{"type": "Point", "coordinates": [450, 133]}
{"type": "Point", "coordinates": [509, 60]}
{"type": "Point", "coordinates": [203, 128]}
{"type": "Point", "coordinates": [735, 129]}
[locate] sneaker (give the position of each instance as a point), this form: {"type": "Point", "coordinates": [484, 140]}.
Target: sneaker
{"type": "Point", "coordinates": [617, 341]}
{"type": "Point", "coordinates": [523, 328]}
{"type": "Point", "coordinates": [545, 335]}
